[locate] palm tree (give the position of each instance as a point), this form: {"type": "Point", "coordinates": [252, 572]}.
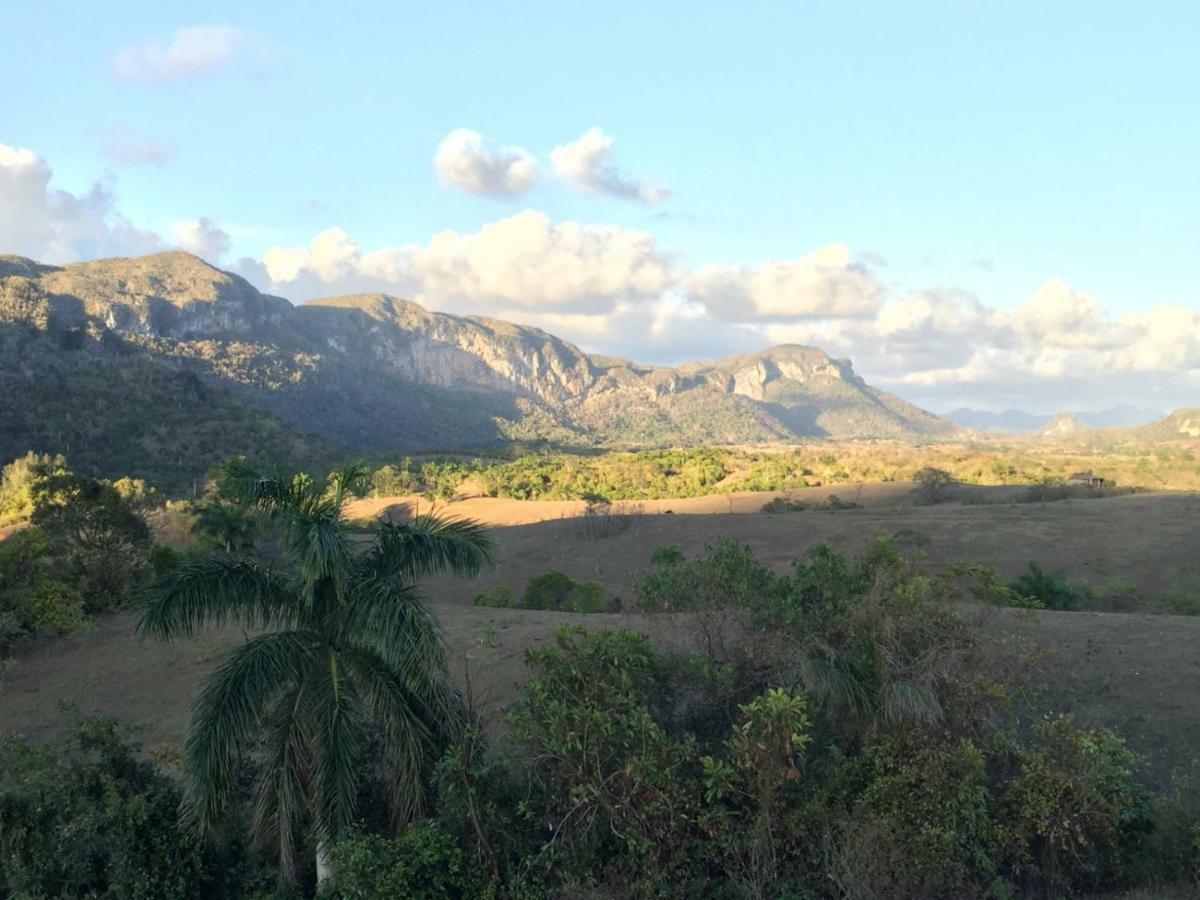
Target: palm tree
{"type": "Point", "coordinates": [225, 525]}
{"type": "Point", "coordinates": [348, 653]}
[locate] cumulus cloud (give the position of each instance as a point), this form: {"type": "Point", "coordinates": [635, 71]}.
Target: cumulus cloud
{"type": "Point", "coordinates": [54, 225]}
{"type": "Point", "coordinates": [587, 163]}
{"type": "Point", "coordinates": [126, 147]}
{"type": "Point", "coordinates": [203, 237]}
{"type": "Point", "coordinates": [466, 159]}
{"type": "Point", "coordinates": [188, 53]}
{"type": "Point", "coordinates": [523, 262]}
{"type": "Point", "coordinates": [1060, 349]}
{"type": "Point", "coordinates": [822, 284]}
{"type": "Point", "coordinates": [616, 291]}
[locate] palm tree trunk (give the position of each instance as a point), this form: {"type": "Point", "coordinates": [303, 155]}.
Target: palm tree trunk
{"type": "Point", "coordinates": [322, 862]}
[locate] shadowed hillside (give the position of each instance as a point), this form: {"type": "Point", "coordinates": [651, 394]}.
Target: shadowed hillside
{"type": "Point", "coordinates": [96, 350]}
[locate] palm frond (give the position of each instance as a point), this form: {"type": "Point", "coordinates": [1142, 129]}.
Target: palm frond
{"type": "Point", "coordinates": [339, 742]}
{"type": "Point", "coordinates": [393, 620]}
{"type": "Point", "coordinates": [229, 712]}
{"type": "Point", "coordinates": [216, 589]}
{"type": "Point", "coordinates": [838, 681]}
{"type": "Point", "coordinates": [284, 792]}
{"type": "Point", "coordinates": [345, 480]}
{"type": "Point", "coordinates": [247, 486]}
{"type": "Point", "coordinates": [428, 545]}
{"type": "Point", "coordinates": [316, 542]}
{"type": "Point", "coordinates": [907, 702]}
{"type": "Point", "coordinates": [416, 715]}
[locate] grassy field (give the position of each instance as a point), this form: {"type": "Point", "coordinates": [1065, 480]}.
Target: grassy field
{"type": "Point", "coordinates": [1135, 672]}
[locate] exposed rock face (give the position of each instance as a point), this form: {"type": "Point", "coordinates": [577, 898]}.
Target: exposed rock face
{"type": "Point", "coordinates": [372, 372]}
{"type": "Point", "coordinates": [1063, 423]}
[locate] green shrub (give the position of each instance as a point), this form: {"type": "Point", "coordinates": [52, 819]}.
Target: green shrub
{"type": "Point", "coordinates": [783, 505]}
{"type": "Point", "coordinates": [550, 590]}
{"type": "Point", "coordinates": [557, 591]}
{"type": "Point", "coordinates": [33, 600]}
{"type": "Point", "coordinates": [1072, 811]}
{"type": "Point", "coordinates": [97, 537]}
{"type": "Point", "coordinates": [669, 555]}
{"type": "Point", "coordinates": [717, 587]}
{"type": "Point", "coordinates": [1182, 597]}
{"type": "Point", "coordinates": [94, 821]}
{"type": "Point", "coordinates": [20, 479]}
{"type": "Point", "coordinates": [1051, 590]}
{"type": "Point", "coordinates": [590, 597]}
{"type": "Point", "coordinates": [424, 864]}
{"type": "Point", "coordinates": [921, 824]}
{"type": "Point", "coordinates": [610, 787]}
{"type": "Point", "coordinates": [498, 595]}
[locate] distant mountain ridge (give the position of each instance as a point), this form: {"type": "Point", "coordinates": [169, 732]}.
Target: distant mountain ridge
{"type": "Point", "coordinates": [90, 342]}
{"type": "Point", "coordinates": [1015, 421]}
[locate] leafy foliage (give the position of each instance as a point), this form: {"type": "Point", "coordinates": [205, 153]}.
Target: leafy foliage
{"type": "Point", "coordinates": [32, 599]}
{"type": "Point", "coordinates": [1051, 590]}
{"type": "Point", "coordinates": [423, 864]}
{"type": "Point", "coordinates": [99, 536]}
{"type": "Point", "coordinates": [94, 821]}
{"type": "Point", "coordinates": [349, 658]}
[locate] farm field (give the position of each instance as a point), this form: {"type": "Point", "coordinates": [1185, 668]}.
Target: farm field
{"type": "Point", "coordinates": [1130, 671]}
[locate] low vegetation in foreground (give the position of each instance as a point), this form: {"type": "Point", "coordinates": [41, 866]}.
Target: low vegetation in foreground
{"type": "Point", "coordinates": [847, 729]}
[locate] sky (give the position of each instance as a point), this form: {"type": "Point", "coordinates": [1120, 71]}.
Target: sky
{"type": "Point", "coordinates": [981, 204]}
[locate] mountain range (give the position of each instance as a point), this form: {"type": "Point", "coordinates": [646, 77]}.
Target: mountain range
{"type": "Point", "coordinates": [1016, 421]}
{"type": "Point", "coordinates": [163, 364]}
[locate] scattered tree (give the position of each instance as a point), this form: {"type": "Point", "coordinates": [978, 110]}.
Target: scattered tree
{"type": "Point", "coordinates": [932, 483]}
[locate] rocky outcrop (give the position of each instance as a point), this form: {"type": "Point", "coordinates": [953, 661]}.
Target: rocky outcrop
{"type": "Point", "coordinates": [375, 372]}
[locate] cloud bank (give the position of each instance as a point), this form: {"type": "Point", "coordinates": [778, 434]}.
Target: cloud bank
{"type": "Point", "coordinates": [54, 225]}
{"type": "Point", "coordinates": [615, 290]}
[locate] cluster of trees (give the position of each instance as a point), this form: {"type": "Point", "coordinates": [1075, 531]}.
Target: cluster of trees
{"type": "Point", "coordinates": [657, 474]}
{"type": "Point", "coordinates": [844, 730]}
{"type": "Point", "coordinates": [553, 590]}
{"type": "Point", "coordinates": [81, 546]}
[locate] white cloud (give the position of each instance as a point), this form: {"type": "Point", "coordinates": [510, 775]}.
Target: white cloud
{"type": "Point", "coordinates": [616, 291]}
{"type": "Point", "coordinates": [53, 225]}
{"type": "Point", "coordinates": [188, 53]}
{"type": "Point", "coordinates": [521, 263]}
{"type": "Point", "coordinates": [821, 284]}
{"type": "Point", "coordinates": [467, 160]}
{"type": "Point", "coordinates": [126, 147]}
{"type": "Point", "coordinates": [587, 163]}
{"type": "Point", "coordinates": [203, 237]}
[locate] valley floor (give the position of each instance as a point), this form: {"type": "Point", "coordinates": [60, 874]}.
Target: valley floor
{"type": "Point", "coordinates": [1137, 673]}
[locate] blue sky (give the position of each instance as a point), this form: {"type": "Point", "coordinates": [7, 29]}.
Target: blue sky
{"type": "Point", "coordinates": [969, 154]}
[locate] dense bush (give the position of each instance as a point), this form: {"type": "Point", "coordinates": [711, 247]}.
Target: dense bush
{"type": "Point", "coordinates": [654, 474]}
{"type": "Point", "coordinates": [606, 789]}
{"type": "Point", "coordinates": [33, 597]}
{"type": "Point", "coordinates": [20, 478]}
{"type": "Point", "coordinates": [94, 821]}
{"type": "Point", "coordinates": [82, 547]}
{"type": "Point", "coordinates": [1051, 590]}
{"type": "Point", "coordinates": [554, 591]}
{"type": "Point", "coordinates": [498, 596]}
{"type": "Point", "coordinates": [424, 864]}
